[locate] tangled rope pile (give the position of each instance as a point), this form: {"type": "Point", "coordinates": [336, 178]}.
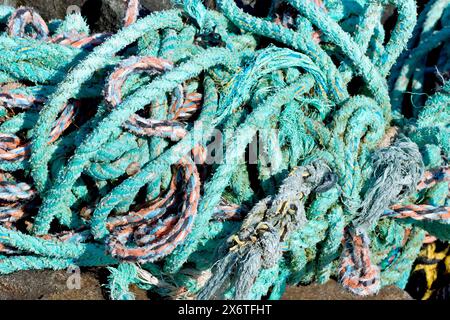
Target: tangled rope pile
{"type": "Point", "coordinates": [109, 145]}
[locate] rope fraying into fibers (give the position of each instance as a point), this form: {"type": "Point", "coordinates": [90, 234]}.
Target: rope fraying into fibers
{"type": "Point", "coordinates": [136, 151]}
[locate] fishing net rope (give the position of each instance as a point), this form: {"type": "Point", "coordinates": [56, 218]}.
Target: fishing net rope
{"type": "Point", "coordinates": [131, 151]}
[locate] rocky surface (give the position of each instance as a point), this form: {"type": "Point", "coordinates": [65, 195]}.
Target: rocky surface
{"type": "Point", "coordinates": [60, 285]}
{"type": "Point", "coordinates": [49, 285]}
{"type": "Point", "coordinates": [50, 9]}
{"type": "Point", "coordinates": [57, 285]}
{"type": "Point", "coordinates": [333, 291]}
{"type": "Point", "coordinates": [107, 15]}
{"type": "Point", "coordinates": [102, 15]}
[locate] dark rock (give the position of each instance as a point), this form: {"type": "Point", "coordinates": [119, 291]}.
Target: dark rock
{"type": "Point", "coordinates": [102, 15]}
{"type": "Point", "coordinates": [49, 285]}
{"type": "Point", "coordinates": [156, 5]}
{"type": "Point", "coordinates": [107, 15]}
{"type": "Point", "coordinates": [56, 285]}
{"type": "Point", "coordinates": [50, 9]}
{"type": "Point", "coordinates": [333, 291]}
{"type": "Point", "coordinates": [53, 285]}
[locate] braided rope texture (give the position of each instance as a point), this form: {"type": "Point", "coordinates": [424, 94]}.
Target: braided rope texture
{"type": "Point", "coordinates": [211, 154]}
